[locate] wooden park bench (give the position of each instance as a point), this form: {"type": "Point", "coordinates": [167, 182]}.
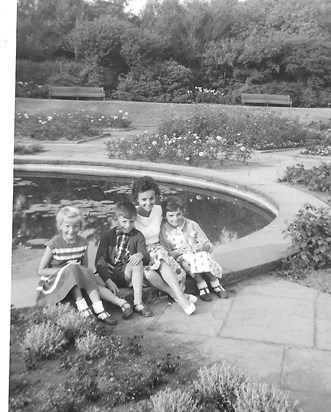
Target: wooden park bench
{"type": "Point", "coordinates": [76, 91]}
{"type": "Point", "coordinates": [267, 99]}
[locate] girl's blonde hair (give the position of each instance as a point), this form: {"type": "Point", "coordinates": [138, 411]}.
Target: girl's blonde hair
{"type": "Point", "coordinates": [68, 212]}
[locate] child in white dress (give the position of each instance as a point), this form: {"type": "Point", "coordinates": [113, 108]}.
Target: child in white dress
{"type": "Point", "coordinates": [189, 245]}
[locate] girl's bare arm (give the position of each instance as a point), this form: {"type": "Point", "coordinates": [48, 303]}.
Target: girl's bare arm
{"type": "Point", "coordinates": [43, 269]}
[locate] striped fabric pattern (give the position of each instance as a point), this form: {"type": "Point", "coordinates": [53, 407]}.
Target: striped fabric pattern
{"type": "Point", "coordinates": [69, 253]}
{"type": "Point", "coordinates": [63, 252]}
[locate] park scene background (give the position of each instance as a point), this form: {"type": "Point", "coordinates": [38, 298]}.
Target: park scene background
{"type": "Point", "coordinates": [190, 61]}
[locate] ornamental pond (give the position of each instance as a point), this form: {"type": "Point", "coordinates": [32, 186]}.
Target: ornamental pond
{"type": "Point", "coordinates": [37, 199]}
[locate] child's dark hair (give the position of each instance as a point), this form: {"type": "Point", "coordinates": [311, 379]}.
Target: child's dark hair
{"type": "Point", "coordinates": [171, 204]}
{"type": "Point", "coordinates": [144, 184]}
{"type": "Point", "coordinates": [125, 209]}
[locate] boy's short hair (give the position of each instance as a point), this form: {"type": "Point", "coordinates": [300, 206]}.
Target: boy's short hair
{"type": "Point", "coordinates": [125, 209]}
{"type": "Point", "coordinates": [171, 204]}
{"type": "Point", "coordinates": [68, 212]}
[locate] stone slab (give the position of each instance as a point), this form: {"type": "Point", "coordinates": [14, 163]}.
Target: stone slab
{"type": "Point", "coordinates": [323, 306]}
{"type": "Point", "coordinates": [23, 292]}
{"type": "Point", "coordinates": [282, 320]}
{"type": "Point", "coordinates": [323, 334]}
{"type": "Point", "coordinates": [206, 321]}
{"type": "Point", "coordinates": [276, 286]}
{"type": "Point", "coordinates": [307, 370]}
{"type": "Point", "coordinates": [312, 402]}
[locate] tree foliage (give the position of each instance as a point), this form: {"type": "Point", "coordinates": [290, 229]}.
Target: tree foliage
{"type": "Point", "coordinates": [255, 45]}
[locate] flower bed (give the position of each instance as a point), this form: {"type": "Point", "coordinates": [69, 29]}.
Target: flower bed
{"type": "Point", "coordinates": [206, 140]}
{"type": "Point", "coordinates": [71, 126]}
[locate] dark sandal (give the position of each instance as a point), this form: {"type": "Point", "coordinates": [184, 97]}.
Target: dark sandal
{"type": "Point", "coordinates": [205, 295]}
{"type": "Point", "coordinates": [106, 318]}
{"type": "Point", "coordinates": [126, 310]}
{"type": "Point", "coordinates": [221, 292]}
{"type": "Point", "coordinates": [144, 311]}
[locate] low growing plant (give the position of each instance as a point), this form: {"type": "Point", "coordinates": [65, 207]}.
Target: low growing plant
{"type": "Point", "coordinates": [310, 233]}
{"type": "Point", "coordinates": [42, 341]}
{"type": "Point", "coordinates": [90, 346]}
{"type": "Point", "coordinates": [317, 178]}
{"type": "Point", "coordinates": [72, 126]}
{"type": "Point", "coordinates": [22, 149]}
{"type": "Point", "coordinates": [253, 397]}
{"type": "Point", "coordinates": [174, 401]}
{"type": "Point", "coordinates": [69, 320]}
{"type": "Point", "coordinates": [217, 385]}
{"type": "Point", "coordinates": [320, 146]}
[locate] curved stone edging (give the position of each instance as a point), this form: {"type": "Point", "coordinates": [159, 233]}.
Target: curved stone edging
{"type": "Point", "coordinates": [247, 256]}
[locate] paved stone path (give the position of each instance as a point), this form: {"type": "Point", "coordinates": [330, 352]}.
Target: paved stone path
{"type": "Point", "coordinates": [275, 330]}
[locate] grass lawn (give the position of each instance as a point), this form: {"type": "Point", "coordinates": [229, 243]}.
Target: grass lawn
{"type": "Point", "coordinates": [145, 114]}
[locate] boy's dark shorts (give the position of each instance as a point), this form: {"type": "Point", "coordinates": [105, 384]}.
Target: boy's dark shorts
{"type": "Point", "coordinates": [117, 275]}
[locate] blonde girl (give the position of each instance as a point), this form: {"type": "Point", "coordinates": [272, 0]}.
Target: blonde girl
{"type": "Point", "coordinates": [63, 268]}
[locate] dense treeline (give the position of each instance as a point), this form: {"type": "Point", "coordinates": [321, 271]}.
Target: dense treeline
{"type": "Point", "coordinates": [196, 50]}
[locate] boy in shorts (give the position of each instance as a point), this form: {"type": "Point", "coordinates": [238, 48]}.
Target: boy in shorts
{"type": "Point", "coordinates": [120, 258]}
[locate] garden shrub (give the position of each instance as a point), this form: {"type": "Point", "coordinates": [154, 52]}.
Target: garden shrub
{"type": "Point", "coordinates": [253, 397]}
{"type": "Point", "coordinates": [22, 149]}
{"type": "Point", "coordinates": [159, 82]}
{"type": "Point", "coordinates": [174, 401]}
{"type": "Point", "coordinates": [71, 126]}
{"type": "Point", "coordinates": [320, 146]}
{"type": "Point", "coordinates": [31, 89]}
{"type": "Point", "coordinates": [217, 385]}
{"type": "Point", "coordinates": [259, 132]}
{"type": "Point", "coordinates": [69, 320]}
{"type": "Point", "coordinates": [317, 178]}
{"type": "Point", "coordinates": [90, 346]}
{"type": "Point", "coordinates": [43, 341]}
{"type": "Point", "coordinates": [35, 72]}
{"type": "Point", "coordinates": [310, 233]}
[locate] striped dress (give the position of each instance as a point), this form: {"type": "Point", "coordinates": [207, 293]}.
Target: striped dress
{"type": "Point", "coordinates": [67, 257]}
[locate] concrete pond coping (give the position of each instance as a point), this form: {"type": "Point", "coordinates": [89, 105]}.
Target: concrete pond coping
{"type": "Point", "coordinates": [250, 255]}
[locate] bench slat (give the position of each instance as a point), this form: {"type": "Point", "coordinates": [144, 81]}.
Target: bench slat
{"type": "Point", "coordinates": [266, 99]}
{"type": "Point", "coordinates": [76, 91]}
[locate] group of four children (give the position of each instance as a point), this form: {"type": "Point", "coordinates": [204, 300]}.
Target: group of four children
{"type": "Point", "coordinates": [150, 242]}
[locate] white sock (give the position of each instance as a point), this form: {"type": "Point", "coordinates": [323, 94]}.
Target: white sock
{"type": "Point", "coordinates": [215, 283]}
{"type": "Point", "coordinates": [98, 307]}
{"type": "Point", "coordinates": [202, 285]}
{"type": "Point", "coordinates": [81, 304]}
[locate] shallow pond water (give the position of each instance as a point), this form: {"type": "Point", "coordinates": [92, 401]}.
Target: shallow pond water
{"type": "Point", "coordinates": [36, 201]}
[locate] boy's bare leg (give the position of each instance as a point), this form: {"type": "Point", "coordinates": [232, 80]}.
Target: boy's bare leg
{"type": "Point", "coordinates": [136, 275]}
{"type": "Point", "coordinates": [107, 294]}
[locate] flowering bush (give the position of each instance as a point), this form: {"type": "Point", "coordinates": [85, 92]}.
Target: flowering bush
{"type": "Point", "coordinates": [71, 126]}
{"type": "Point", "coordinates": [201, 140]}
{"type": "Point", "coordinates": [310, 233]}
{"type": "Point", "coordinates": [202, 95]}
{"type": "Point", "coordinates": [318, 178]}
{"type": "Point", "coordinates": [321, 146]}
{"type": "Point", "coordinates": [31, 89]}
